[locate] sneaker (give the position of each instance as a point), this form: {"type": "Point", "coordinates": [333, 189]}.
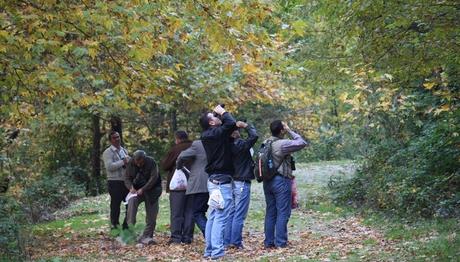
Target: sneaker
{"type": "Point", "coordinates": [147, 241]}
{"type": "Point", "coordinates": [173, 242]}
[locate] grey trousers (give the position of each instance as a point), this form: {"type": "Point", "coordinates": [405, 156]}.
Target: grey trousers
{"type": "Point", "coordinates": [182, 223]}
{"type": "Point", "coordinates": [150, 198]}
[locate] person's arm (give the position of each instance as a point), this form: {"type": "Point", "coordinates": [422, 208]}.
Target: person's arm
{"type": "Point", "coordinates": [186, 156]}
{"type": "Point", "coordinates": [252, 137]}
{"type": "Point", "coordinates": [111, 166]}
{"type": "Point", "coordinates": [245, 144]}
{"type": "Point", "coordinates": [169, 161]}
{"type": "Point", "coordinates": [129, 175]}
{"type": "Point", "coordinates": [296, 144]}
{"type": "Point", "coordinates": [228, 122]}
{"type": "Point", "coordinates": [153, 178]}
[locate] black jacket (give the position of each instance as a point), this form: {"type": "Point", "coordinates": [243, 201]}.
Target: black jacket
{"type": "Point", "coordinates": [217, 143]}
{"type": "Point", "coordinates": [148, 173]}
{"type": "Point", "coordinates": [242, 160]}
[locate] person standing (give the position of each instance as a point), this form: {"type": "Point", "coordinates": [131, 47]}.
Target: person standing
{"type": "Point", "coordinates": [277, 191]}
{"type": "Point", "coordinates": [216, 142]}
{"type": "Point", "coordinates": [197, 188]}
{"type": "Point", "coordinates": [181, 210]}
{"type": "Point", "coordinates": [144, 182]}
{"type": "Point", "coordinates": [115, 160]}
{"type": "Point", "coordinates": [244, 173]}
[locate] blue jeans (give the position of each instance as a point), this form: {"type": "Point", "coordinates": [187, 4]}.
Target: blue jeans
{"type": "Point", "coordinates": [238, 213]}
{"type": "Point", "coordinates": [278, 210]}
{"type": "Point", "coordinates": [217, 218]}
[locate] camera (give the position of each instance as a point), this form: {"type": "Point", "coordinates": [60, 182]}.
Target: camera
{"type": "Point", "coordinates": [216, 114]}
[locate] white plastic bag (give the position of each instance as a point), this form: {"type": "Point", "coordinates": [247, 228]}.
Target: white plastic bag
{"type": "Point", "coordinates": [216, 200]}
{"type": "Point", "coordinates": [178, 180]}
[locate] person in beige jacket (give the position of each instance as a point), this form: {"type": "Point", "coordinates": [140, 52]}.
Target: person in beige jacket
{"type": "Point", "coordinates": [115, 160]}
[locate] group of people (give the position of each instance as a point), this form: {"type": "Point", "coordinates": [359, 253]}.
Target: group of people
{"type": "Point", "coordinates": [221, 169]}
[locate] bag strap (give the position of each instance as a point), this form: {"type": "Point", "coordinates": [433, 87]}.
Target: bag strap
{"type": "Point", "coordinates": [271, 152]}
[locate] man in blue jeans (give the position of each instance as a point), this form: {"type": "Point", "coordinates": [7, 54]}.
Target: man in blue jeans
{"type": "Point", "coordinates": [244, 173]}
{"type": "Point", "coordinates": [216, 141]}
{"type": "Point", "coordinates": [278, 190]}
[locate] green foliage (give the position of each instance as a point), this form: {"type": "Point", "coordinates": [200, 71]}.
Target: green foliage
{"type": "Point", "coordinates": [46, 194]}
{"type": "Point", "coordinates": [12, 227]}
{"type": "Point", "coordinates": [419, 177]}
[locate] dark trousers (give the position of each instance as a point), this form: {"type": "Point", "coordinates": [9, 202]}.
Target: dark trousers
{"type": "Point", "coordinates": [200, 206]}
{"type": "Point", "coordinates": [117, 191]}
{"type": "Point", "coordinates": [182, 224]}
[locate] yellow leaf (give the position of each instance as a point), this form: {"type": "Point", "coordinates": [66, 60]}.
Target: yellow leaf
{"type": "Point", "coordinates": [92, 52]}
{"type": "Point", "coordinates": [429, 85]}
{"type": "Point", "coordinates": [249, 68]}
{"type": "Point", "coordinates": [343, 97]}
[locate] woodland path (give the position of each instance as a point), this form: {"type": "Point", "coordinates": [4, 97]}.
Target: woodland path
{"type": "Point", "coordinates": [318, 230]}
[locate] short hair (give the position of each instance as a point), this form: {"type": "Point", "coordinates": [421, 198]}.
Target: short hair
{"type": "Point", "coordinates": [113, 132]}
{"type": "Point", "coordinates": [181, 135]}
{"type": "Point", "coordinates": [204, 120]}
{"type": "Point", "coordinates": [276, 127]}
{"type": "Point", "coordinates": [139, 154]}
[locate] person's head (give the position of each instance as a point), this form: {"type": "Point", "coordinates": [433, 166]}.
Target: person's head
{"type": "Point", "coordinates": [139, 157]}
{"type": "Point", "coordinates": [235, 134]}
{"type": "Point", "coordinates": [180, 136]}
{"type": "Point", "coordinates": [208, 120]}
{"type": "Point", "coordinates": [277, 128]}
{"type": "Point", "coordinates": [114, 138]}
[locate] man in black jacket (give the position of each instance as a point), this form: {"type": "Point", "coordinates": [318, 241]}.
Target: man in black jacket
{"type": "Point", "coordinates": [217, 145]}
{"type": "Point", "coordinates": [244, 173]}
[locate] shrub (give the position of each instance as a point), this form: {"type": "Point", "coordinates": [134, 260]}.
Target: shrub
{"type": "Point", "coordinates": [48, 193]}
{"type": "Point", "coordinates": [419, 177]}
{"type": "Point", "coordinates": [12, 225]}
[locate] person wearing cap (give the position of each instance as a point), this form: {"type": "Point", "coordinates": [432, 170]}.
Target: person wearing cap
{"type": "Point", "coordinates": [144, 183]}
{"type": "Point", "coordinates": [115, 160]}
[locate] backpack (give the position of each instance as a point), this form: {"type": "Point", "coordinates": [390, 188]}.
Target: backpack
{"type": "Point", "coordinates": [265, 168]}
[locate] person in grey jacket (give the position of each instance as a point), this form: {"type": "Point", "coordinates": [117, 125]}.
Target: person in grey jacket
{"type": "Point", "coordinates": [197, 189]}
{"type": "Point", "coordinates": [115, 160]}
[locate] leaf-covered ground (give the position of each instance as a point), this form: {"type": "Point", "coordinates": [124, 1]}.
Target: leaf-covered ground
{"type": "Point", "coordinates": [318, 231]}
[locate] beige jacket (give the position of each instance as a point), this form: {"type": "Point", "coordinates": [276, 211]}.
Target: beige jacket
{"type": "Point", "coordinates": [113, 162]}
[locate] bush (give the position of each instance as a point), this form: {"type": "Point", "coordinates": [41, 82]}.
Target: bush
{"type": "Point", "coordinates": [12, 225]}
{"type": "Point", "coordinates": [419, 177]}
{"type": "Point", "coordinates": [49, 193]}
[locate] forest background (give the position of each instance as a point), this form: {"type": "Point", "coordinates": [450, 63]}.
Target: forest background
{"type": "Point", "coordinates": [377, 82]}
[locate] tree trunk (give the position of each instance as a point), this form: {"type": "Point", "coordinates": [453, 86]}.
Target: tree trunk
{"type": "Point", "coordinates": [116, 125]}
{"type": "Point", "coordinates": [96, 156]}
{"type": "Point", "coordinates": [173, 121]}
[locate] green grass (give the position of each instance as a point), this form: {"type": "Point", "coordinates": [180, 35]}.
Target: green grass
{"type": "Point", "coordinates": [90, 215]}
{"type": "Point", "coordinates": [422, 239]}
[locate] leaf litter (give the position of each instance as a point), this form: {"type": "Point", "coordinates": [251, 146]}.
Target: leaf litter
{"type": "Point", "coordinates": [314, 236]}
